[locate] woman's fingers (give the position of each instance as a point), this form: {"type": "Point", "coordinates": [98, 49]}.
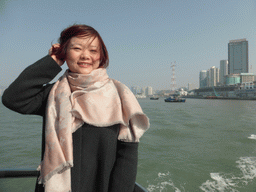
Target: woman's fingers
{"type": "Point", "coordinates": [58, 61]}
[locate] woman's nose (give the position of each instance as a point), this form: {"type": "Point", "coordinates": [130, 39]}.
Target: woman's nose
{"type": "Point", "coordinates": [85, 55]}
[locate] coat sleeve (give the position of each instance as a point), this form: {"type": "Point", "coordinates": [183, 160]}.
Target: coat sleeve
{"type": "Point", "coordinates": [124, 172]}
{"type": "Point", "coordinates": [29, 92]}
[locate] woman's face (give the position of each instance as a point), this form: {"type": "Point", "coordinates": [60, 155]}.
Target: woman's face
{"type": "Point", "coordinates": [83, 55]}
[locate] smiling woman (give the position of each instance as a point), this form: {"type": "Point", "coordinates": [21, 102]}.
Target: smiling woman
{"type": "Point", "coordinates": [91, 123]}
{"type": "Point", "coordinates": [85, 32]}
{"type": "Point", "coordinates": [83, 55]}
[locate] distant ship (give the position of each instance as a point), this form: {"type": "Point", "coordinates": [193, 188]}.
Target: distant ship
{"type": "Point", "coordinates": [175, 98]}
{"type": "Point", "coordinates": [140, 96]}
{"type": "Point", "coordinates": [154, 98]}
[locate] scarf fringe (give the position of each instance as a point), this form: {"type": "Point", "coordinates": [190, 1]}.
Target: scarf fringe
{"type": "Point", "coordinates": [63, 167]}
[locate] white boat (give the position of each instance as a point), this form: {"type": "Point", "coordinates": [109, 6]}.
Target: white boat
{"type": "Point", "coordinates": [140, 96]}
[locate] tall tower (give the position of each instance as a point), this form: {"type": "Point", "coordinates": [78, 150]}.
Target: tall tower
{"type": "Point", "coordinates": [149, 91]}
{"type": "Point", "coordinates": [203, 78]}
{"type": "Point", "coordinates": [173, 79]}
{"type": "Point", "coordinates": [213, 76]}
{"type": "Point", "coordinates": [223, 71]}
{"type": "Point", "coordinates": [238, 56]}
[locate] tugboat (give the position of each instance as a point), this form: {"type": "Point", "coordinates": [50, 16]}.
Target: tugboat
{"type": "Point", "coordinates": [175, 98]}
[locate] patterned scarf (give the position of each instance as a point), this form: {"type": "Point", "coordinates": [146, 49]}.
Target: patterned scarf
{"type": "Point", "coordinates": [76, 99]}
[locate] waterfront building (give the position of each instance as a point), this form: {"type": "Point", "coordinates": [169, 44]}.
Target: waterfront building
{"type": "Point", "coordinates": [232, 79]}
{"type": "Point", "coordinates": [143, 90]}
{"type": "Point", "coordinates": [235, 91]}
{"type": "Point", "coordinates": [223, 71]}
{"type": "Point", "coordinates": [136, 90]}
{"type": "Point", "coordinates": [223, 91]}
{"type": "Point", "coordinates": [182, 92]}
{"type": "Point", "coordinates": [247, 85]}
{"type": "Point", "coordinates": [238, 56]}
{"type": "Point", "coordinates": [148, 91]}
{"type": "Point", "coordinates": [203, 78]}
{"type": "Point", "coordinates": [213, 76]}
{"type": "Point", "coordinates": [246, 77]}
{"type": "Point", "coordinates": [191, 86]}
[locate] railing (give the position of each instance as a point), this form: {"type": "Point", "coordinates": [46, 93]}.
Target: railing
{"type": "Point", "coordinates": [8, 173]}
{"type": "Point", "coordinates": [17, 173]}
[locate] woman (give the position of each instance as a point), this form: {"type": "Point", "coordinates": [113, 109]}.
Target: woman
{"type": "Point", "coordinates": [91, 123]}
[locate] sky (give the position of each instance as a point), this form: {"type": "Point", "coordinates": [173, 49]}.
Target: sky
{"type": "Point", "coordinates": [143, 37]}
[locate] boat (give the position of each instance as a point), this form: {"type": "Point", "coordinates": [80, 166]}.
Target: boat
{"type": "Point", "coordinates": [154, 98]}
{"type": "Point", "coordinates": [139, 96]}
{"type": "Point", "coordinates": [175, 98]}
{"type": "Point", "coordinates": [22, 173]}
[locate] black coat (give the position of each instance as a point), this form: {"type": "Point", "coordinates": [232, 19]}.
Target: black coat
{"type": "Point", "coordinates": [101, 162]}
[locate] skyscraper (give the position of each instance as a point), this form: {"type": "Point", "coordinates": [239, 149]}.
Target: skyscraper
{"type": "Point", "coordinates": [149, 91]}
{"type": "Point", "coordinates": [203, 79]}
{"type": "Point", "coordinates": [136, 90]}
{"type": "Point", "coordinates": [238, 56]}
{"type": "Point", "coordinates": [191, 86]}
{"type": "Point", "coordinates": [223, 71]}
{"type": "Point", "coordinates": [213, 76]}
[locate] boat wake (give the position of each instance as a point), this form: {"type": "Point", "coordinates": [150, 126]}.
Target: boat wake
{"type": "Point", "coordinates": [241, 180]}
{"type": "Point", "coordinates": [223, 182]}
{"type": "Point", "coordinates": [253, 136]}
{"type": "Point", "coordinates": [162, 183]}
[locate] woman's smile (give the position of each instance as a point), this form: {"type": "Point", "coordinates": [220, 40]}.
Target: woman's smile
{"type": "Point", "coordinates": [85, 65]}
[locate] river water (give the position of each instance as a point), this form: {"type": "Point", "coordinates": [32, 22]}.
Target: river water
{"type": "Point", "coordinates": [200, 145]}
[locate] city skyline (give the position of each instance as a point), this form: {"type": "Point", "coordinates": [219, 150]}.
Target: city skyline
{"type": "Point", "coordinates": [143, 40]}
{"type": "Point", "coordinates": [230, 71]}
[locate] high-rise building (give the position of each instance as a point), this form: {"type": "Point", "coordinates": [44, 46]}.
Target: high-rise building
{"type": "Point", "coordinates": [149, 91]}
{"type": "Point", "coordinates": [143, 91]}
{"type": "Point", "coordinates": [213, 76]}
{"type": "Point", "coordinates": [203, 79]}
{"type": "Point", "coordinates": [238, 56]}
{"type": "Point", "coordinates": [191, 86]}
{"type": "Point", "coordinates": [223, 71]}
{"type": "Point", "coordinates": [208, 77]}
{"type": "Point", "coordinates": [136, 90]}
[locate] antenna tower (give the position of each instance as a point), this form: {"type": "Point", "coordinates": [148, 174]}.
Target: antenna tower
{"type": "Point", "coordinates": [173, 79]}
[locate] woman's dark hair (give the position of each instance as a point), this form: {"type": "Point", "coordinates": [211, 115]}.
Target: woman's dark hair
{"type": "Point", "coordinates": [80, 31]}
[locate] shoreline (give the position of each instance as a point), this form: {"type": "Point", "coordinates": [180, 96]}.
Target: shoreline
{"type": "Point", "coordinates": [224, 98]}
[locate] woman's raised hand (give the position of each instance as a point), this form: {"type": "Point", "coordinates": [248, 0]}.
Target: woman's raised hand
{"type": "Point", "coordinates": [58, 61]}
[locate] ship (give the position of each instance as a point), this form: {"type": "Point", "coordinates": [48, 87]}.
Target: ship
{"type": "Point", "coordinates": [175, 98]}
{"type": "Point", "coordinates": [154, 98]}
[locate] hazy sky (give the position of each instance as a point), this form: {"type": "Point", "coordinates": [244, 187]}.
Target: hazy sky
{"type": "Point", "coordinates": [143, 37]}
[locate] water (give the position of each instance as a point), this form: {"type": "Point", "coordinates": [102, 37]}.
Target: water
{"type": "Point", "coordinates": [200, 145]}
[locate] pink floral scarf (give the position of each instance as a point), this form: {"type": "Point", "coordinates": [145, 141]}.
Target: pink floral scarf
{"type": "Point", "coordinates": [94, 99]}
